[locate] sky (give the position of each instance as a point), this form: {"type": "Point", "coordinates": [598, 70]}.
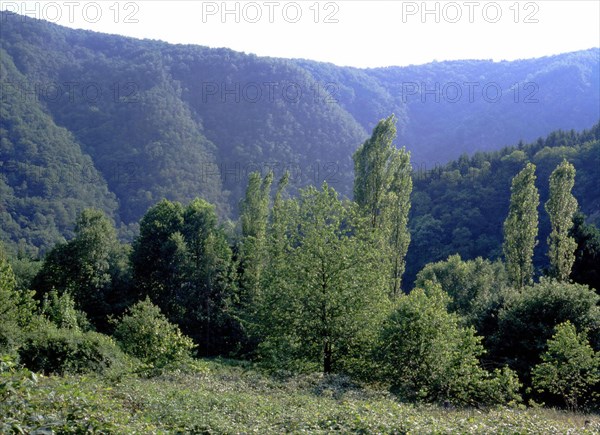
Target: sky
{"type": "Point", "coordinates": [361, 33]}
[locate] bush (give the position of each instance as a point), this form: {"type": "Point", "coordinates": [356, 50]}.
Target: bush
{"type": "Point", "coordinates": [570, 367]}
{"type": "Point", "coordinates": [528, 318]}
{"type": "Point", "coordinates": [427, 355]}
{"type": "Point", "coordinates": [145, 333]}
{"type": "Point", "coordinates": [53, 350]}
{"type": "Point", "coordinates": [15, 385]}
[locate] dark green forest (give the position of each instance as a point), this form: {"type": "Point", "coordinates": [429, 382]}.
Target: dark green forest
{"type": "Point", "coordinates": [162, 225]}
{"type": "Point", "coordinates": [460, 207]}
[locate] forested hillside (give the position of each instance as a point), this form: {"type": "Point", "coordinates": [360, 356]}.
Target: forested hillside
{"type": "Point", "coordinates": [460, 207]}
{"type": "Point", "coordinates": [449, 108]}
{"type": "Point", "coordinates": [122, 123]}
{"type": "Point", "coordinates": [46, 179]}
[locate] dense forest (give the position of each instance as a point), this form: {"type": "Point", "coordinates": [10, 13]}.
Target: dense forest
{"type": "Point", "coordinates": [460, 207]}
{"type": "Point", "coordinates": [179, 255]}
{"type": "Point", "coordinates": [119, 124]}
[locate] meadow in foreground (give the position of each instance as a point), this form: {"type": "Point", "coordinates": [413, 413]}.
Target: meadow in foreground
{"type": "Point", "coordinates": [230, 397]}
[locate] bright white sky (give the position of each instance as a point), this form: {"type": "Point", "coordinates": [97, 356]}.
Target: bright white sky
{"type": "Point", "coordinates": [345, 32]}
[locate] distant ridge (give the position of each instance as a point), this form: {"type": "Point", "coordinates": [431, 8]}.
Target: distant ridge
{"type": "Point", "coordinates": [90, 119]}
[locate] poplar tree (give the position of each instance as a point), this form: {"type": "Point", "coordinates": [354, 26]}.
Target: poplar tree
{"type": "Point", "coordinates": [397, 206]}
{"type": "Point", "coordinates": [521, 227]}
{"type": "Point", "coordinates": [373, 171]}
{"type": "Point", "coordinates": [561, 207]}
{"type": "Point", "coordinates": [254, 216]}
{"type": "Point", "coordinates": [382, 188]}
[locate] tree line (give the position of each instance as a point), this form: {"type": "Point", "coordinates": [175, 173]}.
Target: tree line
{"type": "Point", "coordinates": [313, 282]}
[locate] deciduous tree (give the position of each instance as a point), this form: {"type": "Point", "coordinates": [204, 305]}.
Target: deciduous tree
{"type": "Point", "coordinates": [428, 356]}
{"type": "Point", "coordinates": [569, 368]}
{"type": "Point", "coordinates": [85, 266]}
{"type": "Point", "coordinates": [521, 227]}
{"type": "Point", "coordinates": [561, 207]}
{"type": "Point", "coordinates": [382, 188]}
{"type": "Point", "coordinates": [324, 297]}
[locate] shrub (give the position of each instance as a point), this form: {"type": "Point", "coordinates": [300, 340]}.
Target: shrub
{"type": "Point", "coordinates": [15, 385]}
{"type": "Point", "coordinates": [427, 355]}
{"type": "Point", "coordinates": [529, 317]}
{"type": "Point", "coordinates": [570, 367]}
{"type": "Point", "coordinates": [53, 350]}
{"type": "Point", "coordinates": [146, 333]}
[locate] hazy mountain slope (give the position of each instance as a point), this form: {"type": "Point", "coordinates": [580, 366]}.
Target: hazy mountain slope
{"type": "Point", "coordinates": [157, 105]}
{"type": "Point", "coordinates": [118, 99]}
{"type": "Point", "coordinates": [266, 113]}
{"type": "Point", "coordinates": [360, 92]}
{"type": "Point", "coordinates": [45, 178]}
{"type": "Point", "coordinates": [177, 121]}
{"type": "Point", "coordinates": [449, 108]}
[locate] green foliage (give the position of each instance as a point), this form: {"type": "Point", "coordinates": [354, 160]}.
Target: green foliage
{"type": "Point", "coordinates": [154, 255]}
{"type": "Point", "coordinates": [466, 216]}
{"type": "Point", "coordinates": [210, 280]}
{"type": "Point", "coordinates": [154, 131]}
{"type": "Point", "coordinates": [8, 283]}
{"type": "Point", "coordinates": [521, 227]}
{"type": "Point", "coordinates": [89, 268]}
{"type": "Point", "coordinates": [382, 188]}
{"type": "Point", "coordinates": [254, 209]}
{"type": "Point", "coordinates": [587, 254]}
{"type": "Point", "coordinates": [472, 285]}
{"type": "Point", "coordinates": [323, 297]}
{"type": "Point", "coordinates": [15, 383]}
{"type": "Point", "coordinates": [231, 397]}
{"type": "Point", "coordinates": [51, 350]}
{"type": "Point", "coordinates": [434, 123]}
{"type": "Point", "coordinates": [316, 273]}
{"type": "Point", "coordinates": [25, 270]}
{"type": "Point", "coordinates": [372, 170]}
{"type": "Point", "coordinates": [428, 356]}
{"type": "Point", "coordinates": [254, 216]}
{"type": "Point", "coordinates": [46, 179]}
{"type": "Point", "coordinates": [182, 261]}
{"type": "Point", "coordinates": [17, 307]}
{"type": "Point", "coordinates": [146, 333]}
{"type": "Point", "coordinates": [60, 310]}
{"type": "Point", "coordinates": [528, 318]}
{"type": "Point", "coordinates": [569, 367]}
{"type": "Point", "coordinates": [149, 88]}
{"type": "Point", "coordinates": [478, 290]}
{"type": "Point", "coordinates": [561, 207]}
{"type": "Point", "coordinates": [33, 403]}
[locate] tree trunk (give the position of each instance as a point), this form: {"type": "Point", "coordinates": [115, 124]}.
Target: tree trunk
{"type": "Point", "coordinates": [327, 357]}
